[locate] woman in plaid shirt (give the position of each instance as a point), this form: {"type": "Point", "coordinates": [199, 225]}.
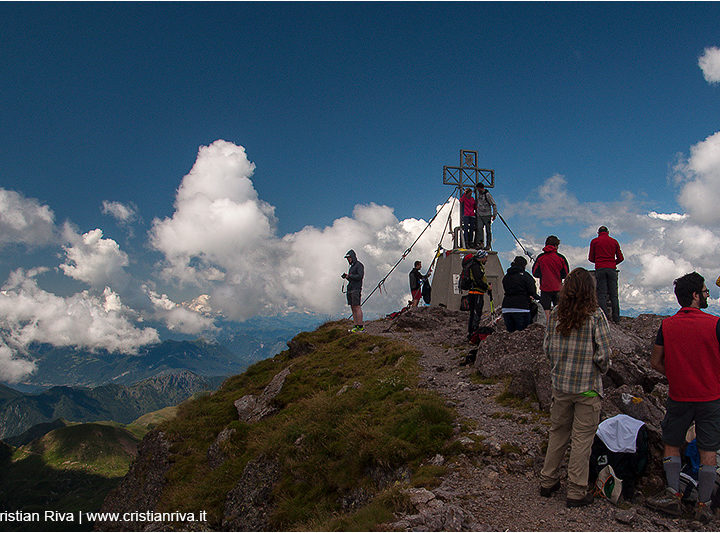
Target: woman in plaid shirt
{"type": "Point", "coordinates": [577, 342]}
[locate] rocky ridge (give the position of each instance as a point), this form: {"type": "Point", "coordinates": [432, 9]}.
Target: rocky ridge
{"type": "Point", "coordinates": [492, 485]}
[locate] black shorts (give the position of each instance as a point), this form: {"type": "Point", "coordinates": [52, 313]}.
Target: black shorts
{"type": "Point", "coordinates": [547, 298]}
{"type": "Point", "coordinates": [353, 298]}
{"type": "Point", "coordinates": [680, 415]}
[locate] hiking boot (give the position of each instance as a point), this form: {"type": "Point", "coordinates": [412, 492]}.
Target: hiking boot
{"type": "Point", "coordinates": [582, 502]}
{"type": "Point", "coordinates": [357, 329]}
{"type": "Point", "coordinates": [668, 502]}
{"type": "Point", "coordinates": [546, 492]}
{"type": "Point", "coordinates": [703, 513]}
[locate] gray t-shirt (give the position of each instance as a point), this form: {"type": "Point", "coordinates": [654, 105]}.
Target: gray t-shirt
{"type": "Point", "coordinates": [485, 204]}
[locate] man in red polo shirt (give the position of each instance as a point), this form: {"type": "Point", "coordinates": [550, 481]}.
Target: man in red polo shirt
{"type": "Point", "coordinates": [605, 253]}
{"type": "Point", "coordinates": [687, 351]}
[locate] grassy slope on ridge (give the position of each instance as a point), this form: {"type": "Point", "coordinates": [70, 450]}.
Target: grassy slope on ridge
{"type": "Point", "coordinates": [69, 469]}
{"type": "Point", "coordinates": [95, 448]}
{"type": "Point", "coordinates": [330, 441]}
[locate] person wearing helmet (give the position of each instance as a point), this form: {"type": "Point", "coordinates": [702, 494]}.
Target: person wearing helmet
{"type": "Point", "coordinates": [354, 276]}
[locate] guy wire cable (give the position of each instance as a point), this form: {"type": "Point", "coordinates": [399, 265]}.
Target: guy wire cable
{"type": "Point", "coordinates": [516, 239]}
{"type": "Point", "coordinates": [406, 252]}
{"type": "Point", "coordinates": [448, 222]}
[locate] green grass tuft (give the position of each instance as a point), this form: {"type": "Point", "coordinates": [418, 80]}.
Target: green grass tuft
{"type": "Point", "coordinates": [428, 476]}
{"type": "Point", "coordinates": [482, 380]}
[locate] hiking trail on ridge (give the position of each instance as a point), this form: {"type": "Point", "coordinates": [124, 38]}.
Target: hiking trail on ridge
{"type": "Point", "coordinates": [495, 486]}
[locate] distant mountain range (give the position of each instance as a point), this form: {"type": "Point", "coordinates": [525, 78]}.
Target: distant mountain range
{"type": "Point", "coordinates": [229, 351]}
{"type": "Point", "coordinates": [84, 385]}
{"type": "Point", "coordinates": [70, 366]}
{"type": "Point", "coordinates": [6, 393]}
{"type": "Point", "coordinates": [120, 403]}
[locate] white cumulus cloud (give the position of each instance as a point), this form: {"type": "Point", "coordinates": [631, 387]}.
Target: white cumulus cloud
{"type": "Point", "coordinates": [699, 175]}
{"type": "Point", "coordinates": [675, 217]}
{"type": "Point", "coordinates": [709, 63]}
{"type": "Point", "coordinates": [12, 368]}
{"type": "Point", "coordinates": [222, 237]}
{"type": "Point", "coordinates": [25, 220]}
{"type": "Point", "coordinates": [30, 314]}
{"type": "Point", "coordinates": [219, 221]}
{"type": "Point", "coordinates": [94, 260]}
{"type": "Point", "coordinates": [554, 204]}
{"type": "Point", "coordinates": [177, 317]}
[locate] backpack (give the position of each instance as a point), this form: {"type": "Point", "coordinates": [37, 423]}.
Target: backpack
{"type": "Point", "coordinates": [480, 334]}
{"type": "Point", "coordinates": [466, 281]}
{"type": "Point", "coordinates": [426, 291]}
{"type": "Point", "coordinates": [396, 314]}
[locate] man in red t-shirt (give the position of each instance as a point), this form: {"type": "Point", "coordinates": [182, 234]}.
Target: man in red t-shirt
{"type": "Point", "coordinates": [605, 253]}
{"type": "Point", "coordinates": [687, 351]}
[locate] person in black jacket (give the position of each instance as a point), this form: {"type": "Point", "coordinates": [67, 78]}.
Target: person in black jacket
{"type": "Point", "coordinates": [519, 287]}
{"type": "Point", "coordinates": [479, 287]}
{"type": "Point", "coordinates": [354, 276]}
{"type": "Point", "coordinates": [416, 281]}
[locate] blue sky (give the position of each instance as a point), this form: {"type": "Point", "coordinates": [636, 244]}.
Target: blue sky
{"type": "Point", "coordinates": [300, 130]}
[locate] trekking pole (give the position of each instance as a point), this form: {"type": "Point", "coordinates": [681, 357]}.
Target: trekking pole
{"type": "Point", "coordinates": [493, 318]}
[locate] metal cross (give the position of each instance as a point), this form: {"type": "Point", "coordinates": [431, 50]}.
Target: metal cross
{"type": "Point", "coordinates": [468, 174]}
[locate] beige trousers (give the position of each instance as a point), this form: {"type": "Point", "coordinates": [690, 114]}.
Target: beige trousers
{"type": "Point", "coordinates": [574, 419]}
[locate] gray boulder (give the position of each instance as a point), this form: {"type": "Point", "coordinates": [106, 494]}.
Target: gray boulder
{"type": "Point", "coordinates": [252, 408]}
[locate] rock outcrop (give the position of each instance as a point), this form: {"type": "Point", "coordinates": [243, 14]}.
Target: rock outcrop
{"type": "Point", "coordinates": [252, 408]}
{"type": "Point", "coordinates": [432, 513]}
{"type": "Point", "coordinates": [250, 502]}
{"type": "Point", "coordinates": [140, 489]}
{"type": "Point", "coordinates": [215, 454]}
{"type": "Point", "coordinates": [518, 356]}
{"type": "Point", "coordinates": [631, 385]}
